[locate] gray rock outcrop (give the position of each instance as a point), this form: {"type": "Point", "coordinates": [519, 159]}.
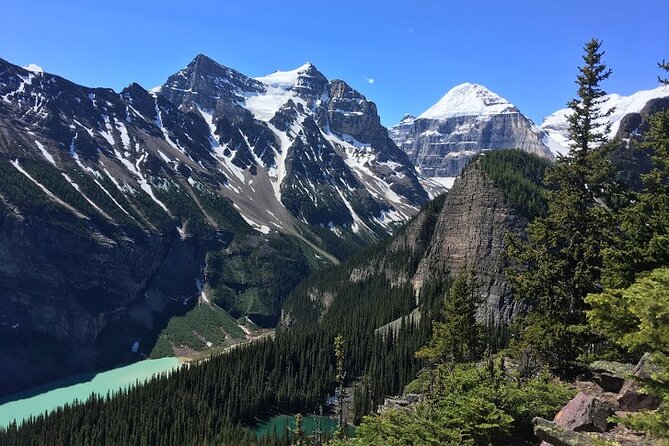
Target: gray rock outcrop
{"type": "Point", "coordinates": [442, 148]}
{"type": "Point", "coordinates": [631, 397]}
{"type": "Point", "coordinates": [470, 233]}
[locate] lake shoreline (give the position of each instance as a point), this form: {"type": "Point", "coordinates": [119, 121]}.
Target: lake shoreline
{"type": "Point", "coordinates": [48, 397]}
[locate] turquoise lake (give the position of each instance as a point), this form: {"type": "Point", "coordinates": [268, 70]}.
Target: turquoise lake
{"type": "Point", "coordinates": [279, 423]}
{"type": "Point", "coordinates": [53, 395]}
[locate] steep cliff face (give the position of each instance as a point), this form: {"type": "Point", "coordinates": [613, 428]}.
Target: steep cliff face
{"type": "Point", "coordinates": [470, 234]}
{"type": "Point", "coordinates": [469, 119]}
{"type": "Point", "coordinates": [465, 229]}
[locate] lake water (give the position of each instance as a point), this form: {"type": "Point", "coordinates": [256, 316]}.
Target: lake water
{"type": "Point", "coordinates": [279, 423]}
{"type": "Point", "coordinates": [51, 396]}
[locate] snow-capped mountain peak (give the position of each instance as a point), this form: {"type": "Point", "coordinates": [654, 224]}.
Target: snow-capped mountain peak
{"type": "Point", "coordinates": [292, 142]}
{"type": "Point", "coordinates": [465, 121]}
{"type": "Point", "coordinates": [468, 99]}
{"type": "Point", "coordinates": [557, 126]}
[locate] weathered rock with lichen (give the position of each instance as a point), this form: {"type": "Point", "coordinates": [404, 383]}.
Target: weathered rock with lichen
{"type": "Point", "coordinates": [610, 375]}
{"type": "Point", "coordinates": [555, 435]}
{"type": "Point", "coordinates": [584, 413]}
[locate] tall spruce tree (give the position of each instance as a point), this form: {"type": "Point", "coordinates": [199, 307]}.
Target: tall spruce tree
{"type": "Point", "coordinates": [341, 376]}
{"type": "Point", "coordinates": [561, 261]}
{"type": "Point", "coordinates": [457, 338]}
{"type": "Point", "coordinates": [633, 311]}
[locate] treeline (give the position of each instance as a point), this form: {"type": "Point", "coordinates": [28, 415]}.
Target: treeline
{"type": "Point", "coordinates": [520, 176]}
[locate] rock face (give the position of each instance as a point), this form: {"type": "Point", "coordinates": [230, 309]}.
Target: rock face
{"type": "Point", "coordinates": [631, 398]}
{"type": "Point", "coordinates": [584, 413]}
{"type": "Point", "coordinates": [470, 233]}
{"type": "Point", "coordinates": [635, 123]}
{"type": "Point", "coordinates": [610, 375]}
{"type": "Point", "coordinates": [75, 299]}
{"type": "Point", "coordinates": [585, 419]}
{"type": "Point", "coordinates": [467, 120]}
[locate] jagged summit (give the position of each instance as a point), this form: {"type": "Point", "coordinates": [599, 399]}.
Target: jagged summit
{"type": "Point", "coordinates": [468, 99]}
{"type": "Point", "coordinates": [202, 61]}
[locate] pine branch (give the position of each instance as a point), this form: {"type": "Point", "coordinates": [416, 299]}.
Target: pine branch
{"type": "Point", "coordinates": [664, 66]}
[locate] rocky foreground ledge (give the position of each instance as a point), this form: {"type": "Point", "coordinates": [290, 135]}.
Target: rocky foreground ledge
{"type": "Point", "coordinates": [589, 418]}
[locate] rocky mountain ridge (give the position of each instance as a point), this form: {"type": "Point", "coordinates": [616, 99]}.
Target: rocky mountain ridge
{"type": "Point", "coordinates": [469, 119]}
{"type": "Point", "coordinates": [317, 144]}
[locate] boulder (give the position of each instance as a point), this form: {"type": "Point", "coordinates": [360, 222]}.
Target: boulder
{"type": "Point", "coordinates": [631, 397]}
{"type": "Point", "coordinates": [610, 375]}
{"type": "Point", "coordinates": [584, 413]}
{"type": "Point", "coordinates": [555, 435]}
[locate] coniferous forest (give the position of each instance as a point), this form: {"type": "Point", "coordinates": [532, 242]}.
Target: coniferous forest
{"type": "Point", "coordinates": [592, 270]}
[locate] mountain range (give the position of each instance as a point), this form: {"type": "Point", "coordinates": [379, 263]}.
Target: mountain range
{"type": "Point", "coordinates": [469, 119]}
{"type": "Point", "coordinates": [122, 210]}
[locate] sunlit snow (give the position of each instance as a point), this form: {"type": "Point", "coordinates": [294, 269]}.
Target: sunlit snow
{"type": "Point", "coordinates": [466, 100]}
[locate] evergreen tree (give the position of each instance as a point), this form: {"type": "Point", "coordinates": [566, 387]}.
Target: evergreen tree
{"type": "Point", "coordinates": [633, 312]}
{"type": "Point", "coordinates": [642, 242]}
{"type": "Point", "coordinates": [341, 375]}
{"type": "Point", "coordinates": [562, 259]}
{"type": "Point", "coordinates": [458, 338]}
{"type": "Point", "coordinates": [299, 438]}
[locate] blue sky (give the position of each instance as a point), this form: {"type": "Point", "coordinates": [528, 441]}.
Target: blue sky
{"type": "Point", "coordinates": [526, 51]}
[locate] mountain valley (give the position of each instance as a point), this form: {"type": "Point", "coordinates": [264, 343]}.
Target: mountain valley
{"type": "Point", "coordinates": [258, 261]}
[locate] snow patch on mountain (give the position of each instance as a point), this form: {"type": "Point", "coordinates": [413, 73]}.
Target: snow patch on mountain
{"type": "Point", "coordinates": [278, 172]}
{"type": "Point", "coordinates": [466, 100]}
{"type": "Point", "coordinates": [284, 79]}
{"type": "Point", "coordinates": [279, 90]}
{"type": "Point", "coordinates": [46, 154]}
{"type": "Point", "coordinates": [34, 68]}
